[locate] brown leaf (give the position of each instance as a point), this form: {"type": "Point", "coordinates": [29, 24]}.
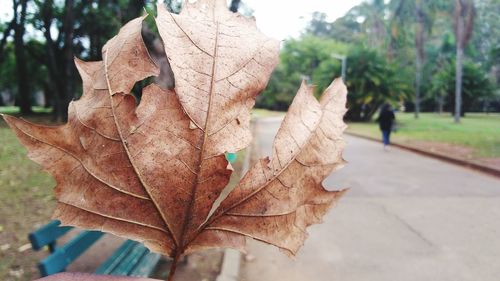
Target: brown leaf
{"type": "Point", "coordinates": [278, 198]}
{"type": "Point", "coordinates": [220, 57]}
{"type": "Point", "coordinates": [152, 172]}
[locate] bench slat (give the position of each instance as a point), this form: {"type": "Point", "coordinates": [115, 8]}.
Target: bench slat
{"type": "Point", "coordinates": [130, 261]}
{"type": "Point", "coordinates": [146, 266]}
{"type": "Point", "coordinates": [66, 254]}
{"type": "Point", "coordinates": [131, 258]}
{"type": "Point", "coordinates": [47, 235]}
{"type": "Point", "coordinates": [117, 257]}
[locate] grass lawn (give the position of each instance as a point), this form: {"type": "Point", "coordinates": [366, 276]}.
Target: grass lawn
{"type": "Point", "coordinates": [26, 204]}
{"type": "Point", "coordinates": [479, 132]}
{"type": "Point", "coordinates": [15, 110]}
{"type": "Point", "coordinates": [261, 113]}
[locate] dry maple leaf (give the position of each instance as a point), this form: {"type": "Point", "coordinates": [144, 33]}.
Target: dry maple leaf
{"type": "Point", "coordinates": [152, 172]}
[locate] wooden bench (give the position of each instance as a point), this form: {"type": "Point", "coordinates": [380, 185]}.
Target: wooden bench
{"type": "Point", "coordinates": [130, 259]}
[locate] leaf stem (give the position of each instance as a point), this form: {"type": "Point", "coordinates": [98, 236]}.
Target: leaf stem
{"type": "Point", "coordinates": [173, 267]}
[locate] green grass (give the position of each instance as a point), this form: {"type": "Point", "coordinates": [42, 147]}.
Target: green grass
{"type": "Point", "coordinates": [480, 132]}
{"type": "Point", "coordinates": [260, 113]}
{"type": "Point", "coordinates": [14, 110]}
{"type": "Point", "coordinates": [26, 204]}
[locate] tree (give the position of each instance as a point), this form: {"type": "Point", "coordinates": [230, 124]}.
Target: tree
{"type": "Point", "coordinates": [374, 22]}
{"type": "Point", "coordinates": [413, 41]}
{"type": "Point", "coordinates": [319, 26]}
{"type": "Point", "coordinates": [372, 82]}
{"type": "Point", "coordinates": [363, 24]}
{"type": "Point", "coordinates": [419, 59]}
{"type": "Point", "coordinates": [486, 35]}
{"type": "Point", "coordinates": [495, 69]}
{"type": "Point", "coordinates": [348, 29]}
{"type": "Point", "coordinates": [68, 91]}
{"type": "Point", "coordinates": [476, 87]}
{"type": "Point", "coordinates": [8, 75]}
{"type": "Point", "coordinates": [419, 16]}
{"type": "Point", "coordinates": [464, 22]}
{"type": "Point", "coordinates": [23, 82]}
{"type": "Point", "coordinates": [280, 90]}
{"type": "Point", "coordinates": [78, 23]}
{"type": "Point", "coordinates": [77, 28]}
{"type": "Point", "coordinates": [442, 58]}
{"type": "Point", "coordinates": [400, 27]}
{"type": "Point", "coordinates": [309, 58]}
{"type": "Point", "coordinates": [486, 42]}
{"type": "Point", "coordinates": [56, 59]}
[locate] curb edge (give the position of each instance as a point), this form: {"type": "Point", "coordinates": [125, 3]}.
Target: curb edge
{"type": "Point", "coordinates": [459, 162]}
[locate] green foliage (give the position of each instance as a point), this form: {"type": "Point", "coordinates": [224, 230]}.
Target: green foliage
{"type": "Point", "coordinates": [8, 76]}
{"type": "Point", "coordinates": [304, 55]}
{"type": "Point", "coordinates": [326, 71]}
{"type": "Point", "coordinates": [476, 88]}
{"type": "Point", "coordinates": [47, 60]}
{"type": "Point", "coordinates": [280, 91]}
{"type": "Point", "coordinates": [308, 58]}
{"type": "Point", "coordinates": [486, 36]}
{"type": "Point", "coordinates": [389, 28]}
{"type": "Point", "coordinates": [8, 71]}
{"type": "Point", "coordinates": [363, 24]}
{"type": "Point", "coordinates": [372, 81]}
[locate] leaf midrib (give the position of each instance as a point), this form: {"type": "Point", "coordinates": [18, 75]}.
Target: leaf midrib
{"type": "Point", "coordinates": [201, 157]}
{"type": "Point", "coordinates": [129, 156]}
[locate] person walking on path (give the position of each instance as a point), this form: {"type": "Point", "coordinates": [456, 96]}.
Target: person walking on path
{"type": "Point", "coordinates": [386, 120]}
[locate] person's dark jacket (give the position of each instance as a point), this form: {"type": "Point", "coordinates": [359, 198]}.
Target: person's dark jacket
{"type": "Point", "coordinates": [386, 120]}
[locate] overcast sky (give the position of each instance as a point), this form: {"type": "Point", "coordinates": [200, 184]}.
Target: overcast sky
{"type": "Point", "coordinates": [277, 18]}
{"type": "Point", "coordinates": [285, 18]}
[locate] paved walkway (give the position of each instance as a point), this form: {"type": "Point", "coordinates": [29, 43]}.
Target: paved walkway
{"type": "Point", "coordinates": [406, 217]}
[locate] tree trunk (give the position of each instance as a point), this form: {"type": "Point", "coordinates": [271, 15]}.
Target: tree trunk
{"type": "Point", "coordinates": [459, 37]}
{"type": "Point", "coordinates": [440, 104]}
{"type": "Point", "coordinates": [48, 96]}
{"type": "Point", "coordinates": [419, 59]}
{"type": "Point", "coordinates": [418, 82]}
{"type": "Point", "coordinates": [464, 23]}
{"type": "Point", "coordinates": [133, 10]}
{"type": "Point", "coordinates": [458, 83]}
{"type": "Point", "coordinates": [68, 91]}
{"type": "Point", "coordinates": [52, 64]}
{"type": "Point", "coordinates": [23, 83]}
{"type": "Point", "coordinates": [95, 35]}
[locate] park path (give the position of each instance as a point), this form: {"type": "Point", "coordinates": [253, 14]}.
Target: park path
{"type": "Point", "coordinates": [406, 217]}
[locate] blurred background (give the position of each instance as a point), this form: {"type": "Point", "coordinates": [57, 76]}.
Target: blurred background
{"type": "Point", "coordinates": [436, 63]}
